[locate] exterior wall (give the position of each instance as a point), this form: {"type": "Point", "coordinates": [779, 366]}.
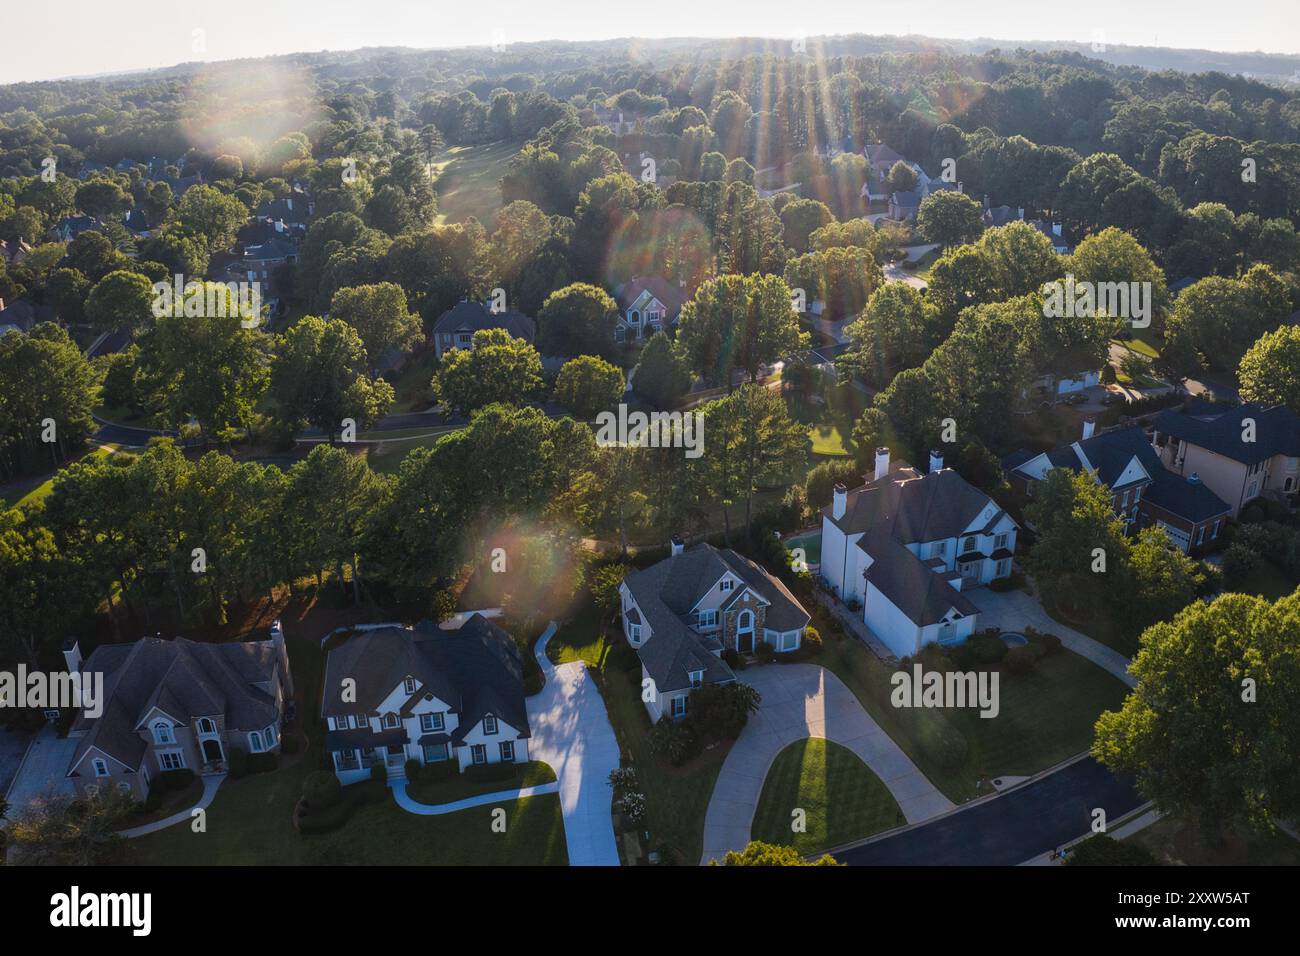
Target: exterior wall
{"type": "Point", "coordinates": [86, 782]}
{"type": "Point", "coordinates": [890, 624]}
{"type": "Point", "coordinates": [1077, 384]}
{"type": "Point", "coordinates": [1225, 477]}
{"type": "Point", "coordinates": [748, 601]}
{"type": "Point", "coordinates": [652, 707]}
{"type": "Point", "coordinates": [962, 628]}
{"type": "Point", "coordinates": [834, 565]}
{"type": "Point", "coordinates": [1194, 538]}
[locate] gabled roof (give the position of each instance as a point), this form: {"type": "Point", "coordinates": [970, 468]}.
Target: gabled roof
{"type": "Point", "coordinates": [667, 592]}
{"type": "Point", "coordinates": [476, 670]}
{"type": "Point", "coordinates": [184, 679]}
{"type": "Point", "coordinates": [1277, 431]}
{"type": "Point", "coordinates": [467, 316]}
{"type": "Point", "coordinates": [912, 507]}
{"type": "Point", "coordinates": [673, 297]}
{"type": "Point", "coordinates": [918, 590]}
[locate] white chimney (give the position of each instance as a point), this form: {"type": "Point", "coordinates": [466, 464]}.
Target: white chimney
{"type": "Point", "coordinates": [72, 655]}
{"type": "Point", "coordinates": [936, 460]}
{"type": "Point", "coordinates": [839, 500]}
{"type": "Point", "coordinates": [1089, 426]}
{"type": "Point", "coordinates": [882, 463]}
{"type": "Point", "coordinates": [1020, 212]}
{"type": "Point", "coordinates": [1056, 229]}
{"type": "Point", "coordinates": [675, 545]}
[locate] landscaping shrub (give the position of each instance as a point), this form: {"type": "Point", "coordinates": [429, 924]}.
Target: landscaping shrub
{"type": "Point", "coordinates": [1050, 643]}
{"type": "Point", "coordinates": [765, 653]}
{"type": "Point", "coordinates": [379, 773]}
{"type": "Point", "coordinates": [172, 780]}
{"type": "Point", "coordinates": [674, 740]}
{"type": "Point", "coordinates": [238, 762]}
{"type": "Point", "coordinates": [812, 640]}
{"type": "Point", "coordinates": [987, 648]}
{"type": "Point", "coordinates": [289, 744]}
{"type": "Point", "coordinates": [413, 769]}
{"type": "Point", "coordinates": [1101, 850]}
{"type": "Point", "coordinates": [720, 711]}
{"type": "Point", "coordinates": [263, 762]}
{"type": "Point", "coordinates": [622, 657]}
{"type": "Point", "coordinates": [321, 790]}
{"type": "Point", "coordinates": [733, 660]}
{"type": "Point", "coordinates": [491, 771]}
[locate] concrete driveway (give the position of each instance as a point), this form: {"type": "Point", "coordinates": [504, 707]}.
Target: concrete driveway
{"type": "Point", "coordinates": [43, 770]}
{"type": "Point", "coordinates": [1015, 610]}
{"type": "Point", "coordinates": [572, 733]}
{"type": "Point", "coordinates": [800, 701]}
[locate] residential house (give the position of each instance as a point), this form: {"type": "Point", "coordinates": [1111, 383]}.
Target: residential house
{"type": "Point", "coordinates": [1143, 493]}
{"type": "Point", "coordinates": [908, 547]}
{"type": "Point", "coordinates": [293, 209]}
{"type": "Point", "coordinates": [620, 122]}
{"type": "Point", "coordinates": [1055, 233]}
{"type": "Point", "coordinates": [646, 305]}
{"type": "Point", "coordinates": [262, 259]}
{"type": "Point", "coordinates": [455, 328]}
{"type": "Point", "coordinates": [12, 253]}
{"type": "Point", "coordinates": [682, 613]}
{"type": "Point", "coordinates": [904, 205]}
{"type": "Point", "coordinates": [880, 160]}
{"type": "Point", "coordinates": [22, 315]}
{"type": "Point", "coordinates": [1240, 453]}
{"type": "Point", "coordinates": [394, 694]}
{"type": "Point", "coordinates": [175, 705]}
{"type": "Point", "coordinates": [70, 227]}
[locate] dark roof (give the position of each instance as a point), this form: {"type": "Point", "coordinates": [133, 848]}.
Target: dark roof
{"type": "Point", "coordinates": [467, 316]}
{"type": "Point", "coordinates": [476, 670]}
{"type": "Point", "coordinates": [1277, 431]}
{"type": "Point", "coordinates": [183, 678]}
{"type": "Point", "coordinates": [914, 508]}
{"type": "Point", "coordinates": [907, 200]}
{"type": "Point", "coordinates": [24, 315]}
{"type": "Point", "coordinates": [673, 297]}
{"type": "Point", "coordinates": [667, 591]}
{"type": "Point", "coordinates": [273, 248]}
{"type": "Point", "coordinates": [1188, 499]}
{"type": "Point", "coordinates": [922, 593]}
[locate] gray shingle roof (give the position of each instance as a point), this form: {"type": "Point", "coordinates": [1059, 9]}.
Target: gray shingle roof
{"type": "Point", "coordinates": [476, 670]}
{"type": "Point", "coordinates": [469, 316]}
{"type": "Point", "coordinates": [183, 678]}
{"type": "Point", "coordinates": [913, 508]}
{"type": "Point", "coordinates": [1277, 431]}
{"type": "Point", "coordinates": [920, 592]}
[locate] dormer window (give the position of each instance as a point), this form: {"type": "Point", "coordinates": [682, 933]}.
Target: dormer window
{"type": "Point", "coordinates": [697, 678]}
{"type": "Point", "coordinates": [489, 725]}
{"type": "Point", "coordinates": [634, 633]}
{"type": "Point", "coordinates": [162, 733]}
{"type": "Point", "coordinates": [728, 584]}
{"type": "Point", "coordinates": [390, 721]}
{"type": "Point", "coordinates": [409, 686]}
{"type": "Point", "coordinates": [206, 726]}
{"type": "Point", "coordinates": [101, 767]}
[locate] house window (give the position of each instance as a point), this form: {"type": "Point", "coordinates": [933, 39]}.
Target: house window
{"type": "Point", "coordinates": [634, 318]}
{"type": "Point", "coordinates": [508, 751]}
{"type": "Point", "coordinates": [101, 767]}
{"type": "Point", "coordinates": [390, 721]}
{"type": "Point", "coordinates": [618, 335]}
{"type": "Point", "coordinates": [969, 544]}
{"type": "Point", "coordinates": [1001, 540]}
{"type": "Point", "coordinates": [1200, 535]}
{"type": "Point", "coordinates": [697, 678]}
{"type": "Point", "coordinates": [938, 549]}
{"type": "Point", "coordinates": [268, 738]}
{"type": "Point", "coordinates": [489, 725]}
{"type": "Point", "coordinates": [652, 316]}
{"type": "Point", "coordinates": [708, 618]}
{"type": "Point", "coordinates": [478, 753]}
{"type": "Point", "coordinates": [255, 742]}
{"type": "Point", "coordinates": [1214, 532]}
{"type": "Point", "coordinates": [162, 733]}
{"type": "Point", "coordinates": [678, 707]}
{"type": "Point", "coordinates": [171, 760]}
{"type": "Point", "coordinates": [431, 722]}
{"type": "Point", "coordinates": [409, 686]}
{"type": "Point", "coordinates": [1004, 568]}
{"type": "Point", "coordinates": [727, 584]}
{"type": "Point", "coordinates": [362, 722]}
{"type": "Point", "coordinates": [790, 640]}
{"type": "Point", "coordinates": [634, 633]}
{"type": "Point", "coordinates": [435, 753]}
{"type": "Point", "coordinates": [206, 726]}
{"type": "Point", "coordinates": [1254, 487]}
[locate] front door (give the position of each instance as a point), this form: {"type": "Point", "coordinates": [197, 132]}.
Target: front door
{"type": "Point", "coordinates": [212, 751]}
{"type": "Point", "coordinates": [745, 632]}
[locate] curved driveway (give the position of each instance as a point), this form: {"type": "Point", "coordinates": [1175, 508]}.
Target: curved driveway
{"type": "Point", "coordinates": [572, 733]}
{"type": "Point", "coordinates": [800, 701]}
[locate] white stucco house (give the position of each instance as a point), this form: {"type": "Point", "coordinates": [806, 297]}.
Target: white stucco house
{"type": "Point", "coordinates": [908, 548]}
{"type": "Point", "coordinates": [396, 693]}
{"type": "Point", "coordinates": [682, 613]}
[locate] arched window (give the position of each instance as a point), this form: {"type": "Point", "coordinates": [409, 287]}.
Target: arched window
{"type": "Point", "coordinates": [206, 726]}
{"type": "Point", "coordinates": [745, 620]}
{"type": "Point", "coordinates": [268, 738]}
{"type": "Point", "coordinates": [255, 742]}
{"type": "Point", "coordinates": [162, 732]}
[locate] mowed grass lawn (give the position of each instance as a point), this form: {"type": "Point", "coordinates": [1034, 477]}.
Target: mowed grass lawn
{"type": "Point", "coordinates": [250, 822]}
{"type": "Point", "coordinates": [840, 798]}
{"type": "Point", "coordinates": [33, 491]}
{"type": "Point", "coordinates": [1180, 844]}
{"type": "Point", "coordinates": [581, 639]}
{"type": "Point", "coordinates": [1045, 716]}
{"type": "Point", "coordinates": [468, 179]}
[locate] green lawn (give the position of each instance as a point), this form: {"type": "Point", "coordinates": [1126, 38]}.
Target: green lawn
{"type": "Point", "coordinates": [1046, 716]}
{"type": "Point", "coordinates": [250, 821]}
{"type": "Point", "coordinates": [1144, 343]}
{"type": "Point", "coordinates": [1270, 582]}
{"type": "Point", "coordinates": [411, 387]}
{"type": "Point", "coordinates": [841, 799]}
{"type": "Point", "coordinates": [393, 446]}
{"type": "Point", "coordinates": [827, 441]}
{"type": "Point", "coordinates": [1179, 844]}
{"type": "Point", "coordinates": [36, 490]}
{"type": "Point", "coordinates": [468, 181]}
{"type": "Point", "coordinates": [459, 786]}
{"type": "Point", "coordinates": [581, 639]}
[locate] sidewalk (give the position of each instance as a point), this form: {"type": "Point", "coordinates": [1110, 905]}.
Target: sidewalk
{"type": "Point", "coordinates": [410, 805]}
{"type": "Point", "coordinates": [210, 784]}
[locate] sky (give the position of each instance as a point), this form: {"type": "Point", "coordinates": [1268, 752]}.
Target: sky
{"type": "Point", "coordinates": [81, 37]}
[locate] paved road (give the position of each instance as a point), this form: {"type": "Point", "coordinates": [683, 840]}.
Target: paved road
{"type": "Point", "coordinates": [801, 701]}
{"type": "Point", "coordinates": [1009, 829]}
{"type": "Point", "coordinates": [572, 733]}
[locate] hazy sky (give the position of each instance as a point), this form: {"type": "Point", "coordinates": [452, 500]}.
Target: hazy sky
{"type": "Point", "coordinates": [46, 40]}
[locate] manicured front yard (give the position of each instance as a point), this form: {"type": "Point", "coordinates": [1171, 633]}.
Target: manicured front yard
{"type": "Point", "coordinates": [581, 639]}
{"type": "Point", "coordinates": [841, 799]}
{"type": "Point", "coordinates": [458, 786]}
{"type": "Point", "coordinates": [1046, 715]}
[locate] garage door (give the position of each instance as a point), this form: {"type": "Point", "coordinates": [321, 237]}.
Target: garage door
{"type": "Point", "coordinates": [1177, 536]}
